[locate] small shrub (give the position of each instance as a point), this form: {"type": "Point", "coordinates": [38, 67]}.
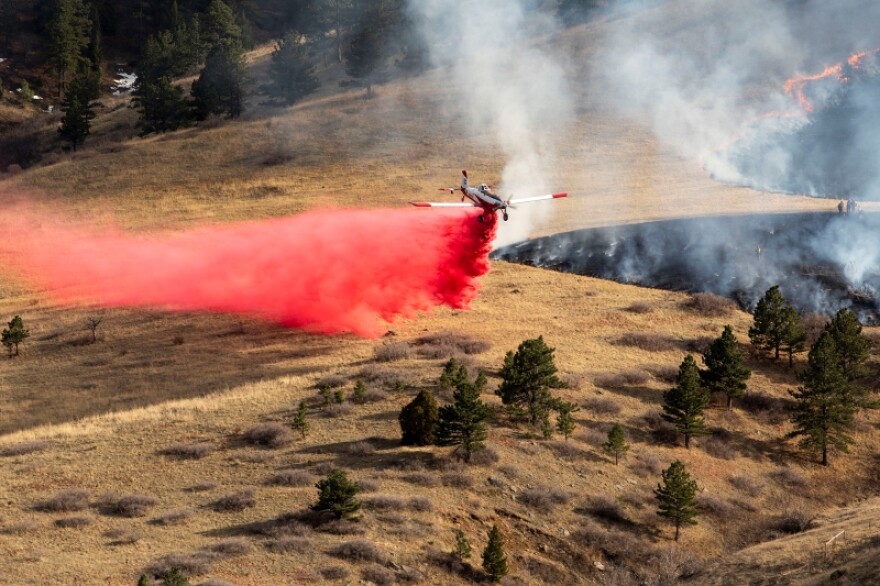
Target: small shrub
{"type": "Point", "coordinates": [457, 480]}
{"type": "Point", "coordinates": [359, 550]}
{"type": "Point", "coordinates": [747, 484]}
{"type": "Point", "coordinates": [342, 527]}
{"type": "Point", "coordinates": [710, 304]}
{"type": "Point", "coordinates": [338, 410]}
{"type": "Point", "coordinates": [186, 451]}
{"type": "Point", "coordinates": [592, 437]}
{"type": "Point", "coordinates": [626, 378]}
{"type": "Point", "coordinates": [699, 345]}
{"type": "Point", "coordinates": [790, 478]}
{"type": "Point", "coordinates": [602, 507]}
{"type": "Point", "coordinates": [66, 501]}
{"type": "Point", "coordinates": [293, 478]}
{"type": "Point", "coordinates": [392, 352]}
{"type": "Point", "coordinates": [123, 536]}
{"type": "Point", "coordinates": [24, 448]}
{"type": "Point", "coordinates": [544, 499]}
{"type": "Point", "coordinates": [378, 575]}
{"type": "Point", "coordinates": [647, 465]}
{"type": "Point", "coordinates": [375, 396]}
{"type": "Point", "coordinates": [666, 374]}
{"type": "Point", "coordinates": [484, 457]}
{"type": "Point", "coordinates": [422, 479]}
{"type": "Point", "coordinates": [716, 506]}
{"type": "Point", "coordinates": [236, 501]}
{"type": "Point", "coordinates": [190, 564]}
{"type": "Point", "coordinates": [794, 521]}
{"type": "Point", "coordinates": [453, 342]}
{"type": "Point", "coordinates": [289, 544]}
{"type": "Point", "coordinates": [331, 381]}
{"type": "Point", "coordinates": [421, 504]}
{"type": "Point", "coordinates": [647, 341]}
{"type": "Point", "coordinates": [564, 450]}
{"type": "Point", "coordinates": [362, 448]}
{"type": "Point", "coordinates": [383, 502]}
{"type": "Point", "coordinates": [640, 307]}
{"type": "Point", "coordinates": [173, 517]}
{"type": "Point", "coordinates": [202, 487]}
{"type": "Point", "coordinates": [334, 573]}
{"type": "Point", "coordinates": [814, 324]}
{"type": "Point", "coordinates": [230, 548]}
{"type": "Point", "coordinates": [572, 380]}
{"type": "Point", "coordinates": [75, 522]}
{"type": "Point", "coordinates": [718, 447]}
{"type": "Point", "coordinates": [268, 435]}
{"type": "Point", "coordinates": [602, 406]}
{"type": "Point", "coordinates": [368, 485]}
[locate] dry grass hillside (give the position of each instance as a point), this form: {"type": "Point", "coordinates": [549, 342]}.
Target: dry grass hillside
{"type": "Point", "coordinates": [164, 443]}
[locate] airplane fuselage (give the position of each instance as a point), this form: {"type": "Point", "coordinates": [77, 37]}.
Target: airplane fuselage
{"type": "Point", "coordinates": [487, 201]}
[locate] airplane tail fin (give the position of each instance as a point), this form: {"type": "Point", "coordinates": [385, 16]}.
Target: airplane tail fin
{"type": "Point", "coordinates": [464, 178]}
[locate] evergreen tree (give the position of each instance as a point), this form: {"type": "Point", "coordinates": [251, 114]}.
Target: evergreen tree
{"type": "Point", "coordinates": [677, 497]}
{"type": "Point", "coordinates": [68, 37]}
{"type": "Point", "coordinates": [527, 378]}
{"type": "Point", "coordinates": [337, 494]}
{"type": "Point", "coordinates": [292, 72]}
{"type": "Point", "coordinates": [27, 94]}
{"type": "Point", "coordinates": [853, 347]}
{"type": "Point", "coordinates": [453, 375]}
{"type": "Point", "coordinates": [418, 420]}
{"type": "Point", "coordinates": [300, 421]}
{"type": "Point", "coordinates": [565, 423]}
{"type": "Point", "coordinates": [824, 407]}
{"type": "Point", "coordinates": [95, 54]}
{"type": "Point", "coordinates": [616, 443]}
{"type": "Point", "coordinates": [683, 405]}
{"type": "Point", "coordinates": [14, 335]}
{"type": "Point", "coordinates": [794, 334]}
{"type": "Point", "coordinates": [175, 578]}
{"type": "Point", "coordinates": [359, 395]}
{"type": "Point", "coordinates": [78, 111]}
{"type": "Point", "coordinates": [220, 87]}
{"type": "Point", "coordinates": [9, 21]}
{"type": "Point", "coordinates": [161, 104]}
{"type": "Point", "coordinates": [143, 581]}
{"type": "Point", "coordinates": [463, 423]}
{"type": "Point", "coordinates": [462, 548]}
{"type": "Point", "coordinates": [725, 371]}
{"type": "Point", "coordinates": [220, 29]}
{"type": "Point", "coordinates": [364, 60]}
{"type": "Point", "coordinates": [768, 331]}
{"type": "Point", "coordinates": [494, 558]}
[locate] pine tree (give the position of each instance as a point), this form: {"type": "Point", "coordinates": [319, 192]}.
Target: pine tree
{"type": "Point", "coordinates": [337, 494]}
{"type": "Point", "coordinates": [527, 378]}
{"type": "Point", "coordinates": [220, 87]}
{"type": "Point", "coordinates": [14, 335]}
{"type": "Point", "coordinates": [220, 28]}
{"type": "Point", "coordinates": [78, 111]}
{"type": "Point", "coordinates": [725, 371]}
{"type": "Point", "coordinates": [853, 347]}
{"type": "Point", "coordinates": [794, 335]}
{"type": "Point", "coordinates": [565, 423]}
{"type": "Point", "coordinates": [453, 374]}
{"type": "Point", "coordinates": [616, 443]}
{"type": "Point", "coordinates": [494, 558]}
{"type": "Point", "coordinates": [463, 423]}
{"type": "Point", "coordinates": [68, 37]}
{"type": "Point", "coordinates": [462, 548]}
{"type": "Point", "coordinates": [95, 55]}
{"type": "Point", "coordinates": [677, 497]}
{"type": "Point", "coordinates": [161, 104]}
{"type": "Point", "coordinates": [143, 581]}
{"type": "Point", "coordinates": [418, 420]}
{"type": "Point", "coordinates": [300, 421]}
{"type": "Point", "coordinates": [175, 578]}
{"type": "Point", "coordinates": [359, 395]}
{"type": "Point", "coordinates": [364, 60]}
{"type": "Point", "coordinates": [292, 72]}
{"type": "Point", "coordinates": [9, 20]}
{"type": "Point", "coordinates": [768, 331]}
{"type": "Point", "coordinates": [824, 407]}
{"type": "Point", "coordinates": [683, 405]}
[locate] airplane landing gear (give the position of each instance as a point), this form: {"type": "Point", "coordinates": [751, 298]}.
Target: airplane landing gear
{"type": "Point", "coordinates": [505, 215]}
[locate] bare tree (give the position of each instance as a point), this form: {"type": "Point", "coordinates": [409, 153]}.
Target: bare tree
{"type": "Point", "coordinates": [92, 323]}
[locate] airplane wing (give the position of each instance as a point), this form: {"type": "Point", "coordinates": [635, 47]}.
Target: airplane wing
{"type": "Point", "coordinates": [517, 200]}
{"type": "Point", "coordinates": [431, 204]}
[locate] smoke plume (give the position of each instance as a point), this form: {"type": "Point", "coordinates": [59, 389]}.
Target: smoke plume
{"type": "Point", "coordinates": [324, 271]}
{"type": "Point", "coordinates": [512, 84]}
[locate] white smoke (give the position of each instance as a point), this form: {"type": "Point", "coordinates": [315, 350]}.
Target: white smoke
{"type": "Point", "coordinates": [512, 85]}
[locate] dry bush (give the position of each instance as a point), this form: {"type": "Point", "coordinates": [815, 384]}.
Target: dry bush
{"type": "Point", "coordinates": [601, 406]}
{"type": "Point", "coordinates": [392, 352]}
{"type": "Point", "coordinates": [509, 470]}
{"type": "Point", "coordinates": [700, 344]}
{"type": "Point", "coordinates": [457, 480]}
{"type": "Point", "coordinates": [747, 484]}
{"type": "Point", "coordinates": [666, 374]}
{"type": "Point", "coordinates": [544, 498]}
{"type": "Point", "coordinates": [21, 528]}
{"type": "Point", "coordinates": [671, 565]}
{"type": "Point", "coordinates": [604, 508]}
{"type": "Point", "coordinates": [572, 380]}
{"type": "Point", "coordinates": [268, 435]}
{"type": "Point", "coordinates": [331, 381]}
{"type": "Point", "coordinates": [123, 536]}
{"type": "Point", "coordinates": [647, 341]}
{"type": "Point", "coordinates": [368, 485]}
{"type": "Point", "coordinates": [190, 564]}
{"type": "Point", "coordinates": [794, 521]}
{"type": "Point", "coordinates": [592, 437]}
{"type": "Point", "coordinates": [420, 504]}
{"type": "Point", "coordinates": [814, 324]}
{"type": "Point", "coordinates": [358, 550]}
{"type": "Point", "coordinates": [378, 575]}
{"type": "Point", "coordinates": [362, 448]}
{"type": "Point", "coordinates": [484, 457]}
{"type": "Point", "coordinates": [74, 522]}
{"type": "Point", "coordinates": [616, 543]}
{"type": "Point", "coordinates": [216, 582]}
{"type": "Point", "coordinates": [134, 505]}
{"type": "Point", "coordinates": [716, 506]}
{"type": "Point", "coordinates": [789, 478]}
{"type": "Point", "coordinates": [173, 517]}
{"type": "Point", "coordinates": [293, 478]}
{"type": "Point", "coordinates": [383, 376]}
{"type": "Point", "coordinates": [288, 544]}
{"type": "Point", "coordinates": [342, 527]}
{"type": "Point", "coordinates": [230, 547]}
{"type": "Point", "coordinates": [457, 341]}
{"type": "Point", "coordinates": [375, 396]}
{"type": "Point", "coordinates": [719, 447]}
{"type": "Point", "coordinates": [647, 465]}
{"type": "Point", "coordinates": [324, 468]}
{"type": "Point", "coordinates": [542, 572]}
{"type": "Point", "coordinates": [422, 479]}
{"type": "Point", "coordinates": [640, 307]}
{"type": "Point", "coordinates": [710, 304]}
{"type": "Point", "coordinates": [24, 448]}
{"type": "Point", "coordinates": [235, 501]}
{"type": "Point", "coordinates": [384, 502]}
{"type": "Point", "coordinates": [626, 378]}
{"type": "Point", "coordinates": [773, 410]}
{"type": "Point", "coordinates": [66, 501]}
{"type": "Point", "coordinates": [565, 450]}
{"type": "Point", "coordinates": [186, 451]}
{"type": "Point", "coordinates": [334, 573]}
{"type": "Point", "coordinates": [202, 487]}
{"type": "Point", "coordinates": [338, 410]}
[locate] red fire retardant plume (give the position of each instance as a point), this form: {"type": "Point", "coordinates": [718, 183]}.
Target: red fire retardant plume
{"type": "Point", "coordinates": [324, 271]}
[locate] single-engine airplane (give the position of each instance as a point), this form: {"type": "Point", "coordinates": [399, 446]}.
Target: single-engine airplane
{"type": "Point", "coordinates": [482, 197]}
